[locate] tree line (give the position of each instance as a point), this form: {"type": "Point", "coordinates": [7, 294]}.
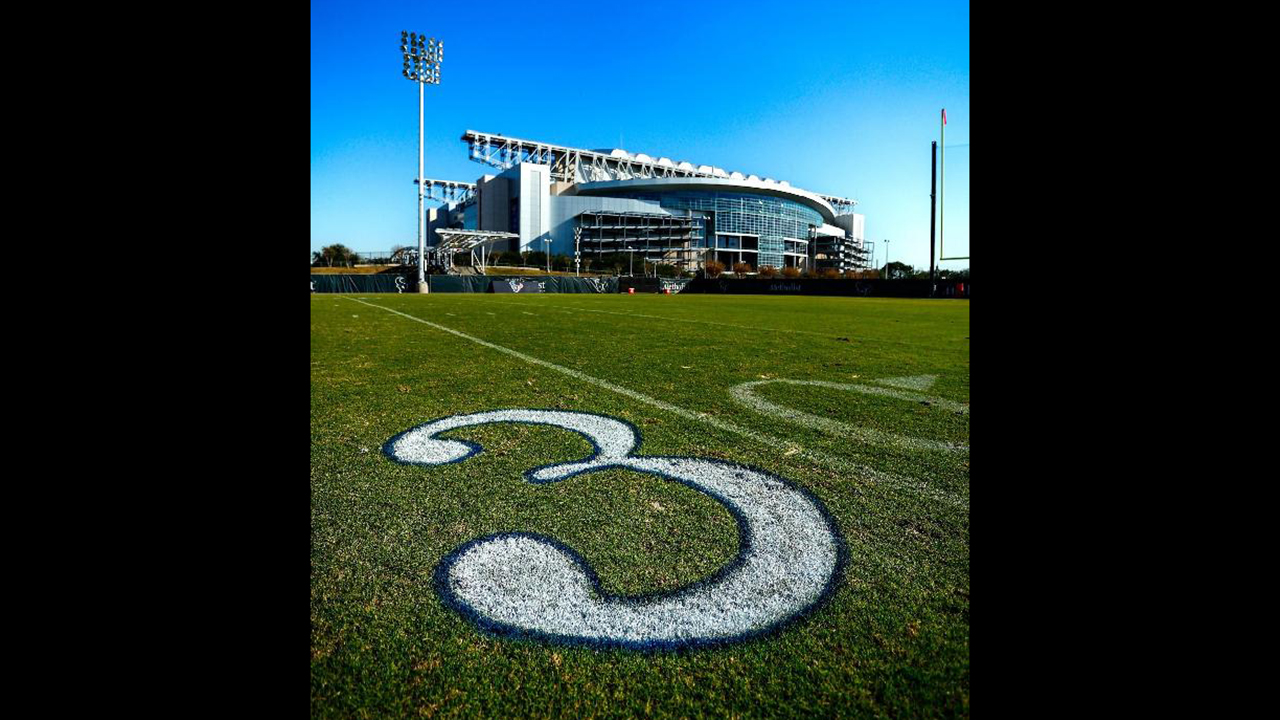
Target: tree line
{"type": "Point", "coordinates": [339, 255]}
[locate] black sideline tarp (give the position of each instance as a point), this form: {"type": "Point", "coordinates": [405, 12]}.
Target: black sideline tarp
{"type": "Point", "coordinates": [461, 284]}
{"type": "Point", "coordinates": [363, 284]}
{"type": "Point", "coordinates": [815, 286]}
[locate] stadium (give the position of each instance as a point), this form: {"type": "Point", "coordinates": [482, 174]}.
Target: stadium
{"type": "Point", "coordinates": [573, 201]}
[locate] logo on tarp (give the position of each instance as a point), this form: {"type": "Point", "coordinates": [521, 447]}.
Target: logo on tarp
{"type": "Point", "coordinates": [525, 585]}
{"type": "Point", "coordinates": [313, 286]}
{"type": "Point", "coordinates": [400, 284]}
{"type": "Point", "coordinates": [596, 284]}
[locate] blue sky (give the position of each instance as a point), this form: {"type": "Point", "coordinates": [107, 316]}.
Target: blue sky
{"type": "Point", "coordinates": [841, 98]}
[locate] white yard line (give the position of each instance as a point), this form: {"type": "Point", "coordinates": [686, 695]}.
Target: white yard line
{"type": "Point", "coordinates": [745, 394]}
{"type": "Point", "coordinates": [770, 441]}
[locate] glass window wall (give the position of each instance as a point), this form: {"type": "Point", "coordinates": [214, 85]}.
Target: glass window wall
{"type": "Point", "coordinates": [768, 218]}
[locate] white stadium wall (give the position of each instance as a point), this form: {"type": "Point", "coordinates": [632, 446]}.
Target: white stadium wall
{"type": "Point", "coordinates": [532, 185]}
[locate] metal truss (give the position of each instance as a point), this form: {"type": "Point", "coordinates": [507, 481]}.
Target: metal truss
{"type": "Point", "coordinates": [843, 206]}
{"type": "Point", "coordinates": [505, 153]}
{"type": "Point", "coordinates": [448, 190]}
{"type": "Point", "coordinates": [405, 256]}
{"type": "Point", "coordinates": [575, 165]}
{"type": "Point", "coordinates": [456, 241]}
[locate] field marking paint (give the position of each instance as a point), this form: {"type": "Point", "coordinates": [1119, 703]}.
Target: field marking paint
{"type": "Point", "coordinates": [527, 585]}
{"type": "Point", "coordinates": [745, 395]}
{"type": "Point", "coordinates": [913, 382]}
{"type": "Point", "coordinates": [861, 471]}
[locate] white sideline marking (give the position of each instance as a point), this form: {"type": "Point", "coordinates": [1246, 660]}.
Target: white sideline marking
{"type": "Point", "coordinates": [769, 441]}
{"type": "Point", "coordinates": [526, 313]}
{"type": "Point", "coordinates": [745, 394]}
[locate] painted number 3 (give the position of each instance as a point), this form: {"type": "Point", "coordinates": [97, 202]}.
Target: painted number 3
{"type": "Point", "coordinates": [521, 584]}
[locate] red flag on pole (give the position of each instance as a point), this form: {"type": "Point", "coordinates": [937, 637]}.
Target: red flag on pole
{"type": "Point", "coordinates": [944, 116]}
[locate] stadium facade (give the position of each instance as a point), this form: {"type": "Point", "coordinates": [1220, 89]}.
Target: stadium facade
{"type": "Point", "coordinates": [567, 200]}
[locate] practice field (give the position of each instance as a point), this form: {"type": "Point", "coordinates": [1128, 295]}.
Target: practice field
{"type": "Point", "coordinates": [658, 506]}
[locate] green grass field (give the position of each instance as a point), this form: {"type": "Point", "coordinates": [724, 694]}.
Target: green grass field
{"type": "Point", "coordinates": [887, 456]}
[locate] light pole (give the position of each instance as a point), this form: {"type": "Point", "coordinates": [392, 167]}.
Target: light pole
{"type": "Point", "coordinates": [547, 245]}
{"type": "Point", "coordinates": [422, 66]}
{"type": "Point", "coordinates": [886, 259]}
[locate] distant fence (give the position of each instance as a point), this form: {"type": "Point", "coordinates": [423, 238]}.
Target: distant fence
{"type": "Point", "coordinates": [815, 286]}
{"type": "Point", "coordinates": [385, 283]}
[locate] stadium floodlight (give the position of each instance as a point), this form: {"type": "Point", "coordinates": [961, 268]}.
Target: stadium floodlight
{"type": "Point", "coordinates": [425, 69]}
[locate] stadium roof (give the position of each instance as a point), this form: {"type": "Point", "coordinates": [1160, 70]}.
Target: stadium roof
{"type": "Point", "coordinates": [577, 165]}
{"type": "Point", "coordinates": [815, 201]}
